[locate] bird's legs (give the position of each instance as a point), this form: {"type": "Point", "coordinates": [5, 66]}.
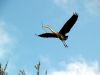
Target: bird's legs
{"type": "Point", "coordinates": [47, 26]}
{"type": "Point", "coordinates": [64, 43]}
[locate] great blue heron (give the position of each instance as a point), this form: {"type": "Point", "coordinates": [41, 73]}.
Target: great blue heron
{"type": "Point", "coordinates": [65, 29]}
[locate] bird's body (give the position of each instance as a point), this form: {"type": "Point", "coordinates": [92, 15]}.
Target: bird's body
{"type": "Point", "coordinates": [62, 33]}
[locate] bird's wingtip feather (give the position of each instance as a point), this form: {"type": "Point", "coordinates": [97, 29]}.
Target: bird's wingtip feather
{"type": "Point", "coordinates": [75, 13]}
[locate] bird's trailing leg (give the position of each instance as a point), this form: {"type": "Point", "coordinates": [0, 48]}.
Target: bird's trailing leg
{"type": "Point", "coordinates": [64, 43]}
{"type": "Point", "coordinates": [48, 27]}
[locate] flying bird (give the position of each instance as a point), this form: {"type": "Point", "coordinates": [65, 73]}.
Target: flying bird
{"type": "Point", "coordinates": [63, 31]}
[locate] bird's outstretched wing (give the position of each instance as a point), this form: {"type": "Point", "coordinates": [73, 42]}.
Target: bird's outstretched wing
{"type": "Point", "coordinates": [48, 35]}
{"type": "Point", "coordinates": [69, 24]}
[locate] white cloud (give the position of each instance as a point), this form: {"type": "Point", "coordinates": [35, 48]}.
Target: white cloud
{"type": "Point", "coordinates": [78, 68]}
{"type": "Point", "coordinates": [6, 41]}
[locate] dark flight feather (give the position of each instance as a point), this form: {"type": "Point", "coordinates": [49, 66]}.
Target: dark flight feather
{"type": "Point", "coordinates": [69, 24]}
{"type": "Point", "coordinates": [46, 35]}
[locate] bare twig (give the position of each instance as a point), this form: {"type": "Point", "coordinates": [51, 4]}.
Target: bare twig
{"type": "Point", "coordinates": [38, 68]}
{"type": "Point", "coordinates": [22, 72]}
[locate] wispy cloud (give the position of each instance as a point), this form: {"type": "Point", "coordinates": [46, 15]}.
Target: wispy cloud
{"type": "Point", "coordinates": [6, 41]}
{"type": "Point", "coordinates": [61, 3]}
{"type": "Point", "coordinates": [45, 59]}
{"type": "Point", "coordinates": [78, 67]}
{"type": "Point", "coordinates": [90, 6]}
{"type": "Point", "coordinates": [69, 6]}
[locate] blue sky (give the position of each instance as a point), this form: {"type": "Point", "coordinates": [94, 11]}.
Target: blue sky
{"type": "Point", "coordinates": [20, 20]}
